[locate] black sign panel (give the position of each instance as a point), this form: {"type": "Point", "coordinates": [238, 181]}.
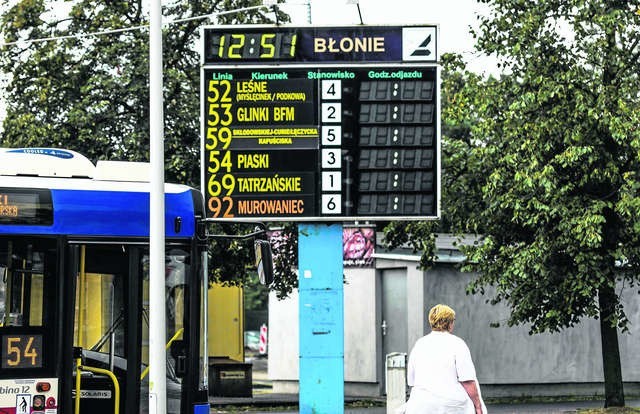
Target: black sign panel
{"type": "Point", "coordinates": [289, 141]}
{"type": "Point", "coordinates": [21, 351]}
{"type": "Point", "coordinates": [304, 45]}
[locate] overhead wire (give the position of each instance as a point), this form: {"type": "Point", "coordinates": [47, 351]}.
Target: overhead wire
{"type": "Point", "coordinates": [127, 29]}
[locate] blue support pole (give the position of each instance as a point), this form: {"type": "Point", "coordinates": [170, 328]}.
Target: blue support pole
{"type": "Point", "coordinates": [321, 319]}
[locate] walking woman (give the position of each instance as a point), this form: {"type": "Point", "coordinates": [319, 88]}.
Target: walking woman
{"type": "Point", "coordinates": [441, 372]}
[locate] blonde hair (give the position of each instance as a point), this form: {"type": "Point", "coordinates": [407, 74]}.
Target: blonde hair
{"type": "Point", "coordinates": [441, 317]}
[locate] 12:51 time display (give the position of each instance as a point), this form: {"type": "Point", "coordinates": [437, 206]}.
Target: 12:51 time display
{"type": "Point", "coordinates": [252, 46]}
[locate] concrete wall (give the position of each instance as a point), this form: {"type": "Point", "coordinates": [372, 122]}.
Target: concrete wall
{"type": "Point", "coordinates": [283, 339]}
{"type": "Point", "coordinates": [509, 361]}
{"type": "Point", "coordinates": [360, 326]}
{"type": "Point", "coordinates": [360, 342]}
{"type": "Point", "coordinates": [509, 355]}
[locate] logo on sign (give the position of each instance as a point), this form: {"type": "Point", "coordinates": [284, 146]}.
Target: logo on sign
{"type": "Point", "coordinates": [424, 49]}
{"type": "Point", "coordinates": [43, 151]}
{"type": "Point", "coordinates": [419, 44]}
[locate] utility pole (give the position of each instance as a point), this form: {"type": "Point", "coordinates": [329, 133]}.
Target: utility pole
{"type": "Point", "coordinates": [157, 315]}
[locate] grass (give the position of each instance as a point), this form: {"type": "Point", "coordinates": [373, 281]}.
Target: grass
{"type": "Point", "coordinates": [612, 410]}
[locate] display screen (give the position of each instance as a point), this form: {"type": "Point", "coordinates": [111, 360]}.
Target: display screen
{"type": "Point", "coordinates": [20, 206]}
{"type": "Point", "coordinates": [314, 124]}
{"type": "Point", "coordinates": [250, 46]}
{"type": "Point", "coordinates": [305, 45]}
{"type": "Point", "coordinates": [330, 142]}
{"type": "Point", "coordinates": [21, 351]}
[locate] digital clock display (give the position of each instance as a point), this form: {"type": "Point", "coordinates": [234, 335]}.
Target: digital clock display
{"type": "Point", "coordinates": [255, 46]}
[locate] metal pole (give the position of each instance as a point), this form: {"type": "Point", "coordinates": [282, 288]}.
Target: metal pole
{"type": "Point", "coordinates": [321, 323]}
{"type": "Point", "coordinates": [157, 315]}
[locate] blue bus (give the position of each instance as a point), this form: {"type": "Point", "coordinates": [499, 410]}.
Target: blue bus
{"type": "Point", "coordinates": [74, 278]}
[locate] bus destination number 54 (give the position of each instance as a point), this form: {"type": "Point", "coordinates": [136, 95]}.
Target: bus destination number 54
{"type": "Point", "coordinates": [21, 351]}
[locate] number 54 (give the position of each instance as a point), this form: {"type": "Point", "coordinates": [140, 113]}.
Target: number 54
{"type": "Point", "coordinates": [15, 349]}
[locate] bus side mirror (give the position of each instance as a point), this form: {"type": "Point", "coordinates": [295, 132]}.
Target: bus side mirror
{"type": "Point", "coordinates": [264, 261]}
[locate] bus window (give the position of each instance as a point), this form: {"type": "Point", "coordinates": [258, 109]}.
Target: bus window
{"type": "Point", "coordinates": [99, 314]}
{"type": "Point", "coordinates": [101, 319]}
{"type": "Point", "coordinates": [3, 282]}
{"type": "Point", "coordinates": [27, 266]}
{"type": "Point", "coordinates": [177, 267]}
{"type": "Point", "coordinates": [97, 321]}
{"type": "Point", "coordinates": [21, 284]}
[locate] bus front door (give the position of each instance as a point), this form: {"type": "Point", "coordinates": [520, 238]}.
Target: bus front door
{"type": "Point", "coordinates": [111, 327]}
{"type": "Point", "coordinates": [107, 305]}
{"type": "Point", "coordinates": [29, 325]}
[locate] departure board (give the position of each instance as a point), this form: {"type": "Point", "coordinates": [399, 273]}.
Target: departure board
{"type": "Point", "coordinates": [320, 124]}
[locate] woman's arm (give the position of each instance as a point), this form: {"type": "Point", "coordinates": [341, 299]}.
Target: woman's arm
{"type": "Point", "coordinates": [472, 390]}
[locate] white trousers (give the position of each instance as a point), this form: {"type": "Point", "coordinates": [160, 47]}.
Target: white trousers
{"type": "Point", "coordinates": [424, 402]}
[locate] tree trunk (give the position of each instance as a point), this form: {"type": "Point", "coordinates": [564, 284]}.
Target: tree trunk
{"type": "Point", "coordinates": [613, 390]}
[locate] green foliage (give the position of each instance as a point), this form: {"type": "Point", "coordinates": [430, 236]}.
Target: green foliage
{"type": "Point", "coordinates": [561, 141]}
{"type": "Point", "coordinates": [561, 193]}
{"type": "Point", "coordinates": [90, 93]}
{"type": "Point", "coordinates": [285, 260]}
{"type": "Point", "coordinates": [544, 163]}
{"type": "Point", "coordinates": [256, 295]}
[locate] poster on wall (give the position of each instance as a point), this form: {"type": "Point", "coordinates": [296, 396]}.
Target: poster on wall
{"type": "Point", "coordinates": [358, 245]}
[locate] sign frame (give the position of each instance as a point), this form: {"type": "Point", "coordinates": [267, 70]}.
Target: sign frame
{"type": "Point", "coordinates": [425, 62]}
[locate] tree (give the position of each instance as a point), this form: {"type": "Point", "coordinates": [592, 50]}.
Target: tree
{"type": "Point", "coordinates": [554, 151]}
{"type": "Point", "coordinates": [90, 93]}
{"type": "Point", "coordinates": [89, 90]}
{"type": "Point", "coordinates": [561, 222]}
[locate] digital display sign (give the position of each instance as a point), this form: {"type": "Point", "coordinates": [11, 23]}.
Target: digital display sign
{"type": "Point", "coordinates": [289, 133]}
{"type": "Point", "coordinates": [21, 351]}
{"type": "Point", "coordinates": [306, 45]}
{"type": "Point", "coordinates": [280, 45]}
{"type": "Point", "coordinates": [20, 206]}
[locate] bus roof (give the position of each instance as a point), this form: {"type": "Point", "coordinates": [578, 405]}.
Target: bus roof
{"type": "Point", "coordinates": [88, 201]}
{"type": "Point", "coordinates": [53, 162]}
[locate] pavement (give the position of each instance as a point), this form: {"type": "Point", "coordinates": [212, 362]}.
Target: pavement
{"type": "Point", "coordinates": [266, 402]}
{"type": "Point", "coordinates": [288, 403]}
